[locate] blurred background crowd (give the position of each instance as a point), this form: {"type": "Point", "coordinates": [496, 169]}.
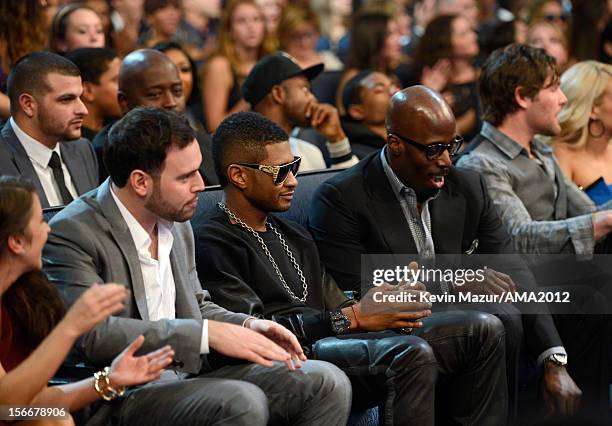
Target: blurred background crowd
{"type": "Point", "coordinates": [215, 43]}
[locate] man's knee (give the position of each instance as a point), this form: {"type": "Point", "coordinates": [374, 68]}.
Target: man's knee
{"type": "Point", "coordinates": [327, 379]}
{"type": "Point", "coordinates": [487, 324]}
{"type": "Point", "coordinates": [245, 403]}
{"type": "Point", "coordinates": [408, 352]}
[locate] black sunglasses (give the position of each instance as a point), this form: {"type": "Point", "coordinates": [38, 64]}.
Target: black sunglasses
{"type": "Point", "coordinates": [279, 173]}
{"type": "Point", "coordinates": [435, 150]}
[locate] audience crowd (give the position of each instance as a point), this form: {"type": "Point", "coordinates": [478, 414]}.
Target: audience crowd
{"type": "Point", "coordinates": [162, 140]}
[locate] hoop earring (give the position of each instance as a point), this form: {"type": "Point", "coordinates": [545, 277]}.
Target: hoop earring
{"type": "Point", "coordinates": [603, 128]}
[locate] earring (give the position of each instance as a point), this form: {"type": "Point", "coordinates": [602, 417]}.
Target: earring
{"type": "Point", "coordinates": [600, 123]}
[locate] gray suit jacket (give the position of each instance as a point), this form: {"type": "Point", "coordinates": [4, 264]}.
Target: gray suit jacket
{"type": "Point", "coordinates": [91, 243]}
{"type": "Point", "coordinates": [79, 157]}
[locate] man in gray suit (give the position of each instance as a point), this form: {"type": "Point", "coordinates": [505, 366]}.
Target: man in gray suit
{"type": "Point", "coordinates": [133, 229]}
{"type": "Point", "coordinates": [46, 110]}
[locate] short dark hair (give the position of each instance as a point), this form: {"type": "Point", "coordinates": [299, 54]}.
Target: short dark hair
{"type": "Point", "coordinates": [506, 69]}
{"type": "Point", "coordinates": [351, 94]}
{"type": "Point", "coordinates": [152, 6]}
{"type": "Point", "coordinates": [92, 62]}
{"type": "Point", "coordinates": [141, 140]}
{"type": "Point", "coordinates": [242, 138]}
{"type": "Point", "coordinates": [30, 75]}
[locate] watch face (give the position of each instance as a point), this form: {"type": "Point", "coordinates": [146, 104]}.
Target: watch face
{"type": "Point", "coordinates": [560, 359]}
{"type": "Point", "coordinates": [340, 323]}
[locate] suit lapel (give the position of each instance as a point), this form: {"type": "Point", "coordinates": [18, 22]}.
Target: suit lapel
{"type": "Point", "coordinates": [123, 237]}
{"type": "Point", "coordinates": [75, 167]}
{"type": "Point", "coordinates": [385, 206]}
{"type": "Point", "coordinates": [22, 162]}
{"type": "Point", "coordinates": [447, 220]}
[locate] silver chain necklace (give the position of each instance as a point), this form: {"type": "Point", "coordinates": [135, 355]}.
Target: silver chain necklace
{"type": "Point", "coordinates": [264, 247]}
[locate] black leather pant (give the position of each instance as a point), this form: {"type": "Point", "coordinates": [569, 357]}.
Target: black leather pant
{"type": "Point", "coordinates": [463, 349]}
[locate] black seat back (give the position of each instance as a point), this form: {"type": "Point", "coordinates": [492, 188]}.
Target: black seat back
{"type": "Point", "coordinates": [308, 183]}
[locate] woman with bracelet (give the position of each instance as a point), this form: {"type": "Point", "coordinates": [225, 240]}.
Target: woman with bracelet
{"type": "Point", "coordinates": [35, 335]}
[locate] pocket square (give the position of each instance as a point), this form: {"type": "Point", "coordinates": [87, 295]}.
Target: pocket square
{"type": "Point", "coordinates": [473, 247]}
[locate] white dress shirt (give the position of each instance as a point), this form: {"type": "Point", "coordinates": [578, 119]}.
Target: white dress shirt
{"type": "Point", "coordinates": [160, 289]}
{"type": "Point", "coordinates": [40, 155]}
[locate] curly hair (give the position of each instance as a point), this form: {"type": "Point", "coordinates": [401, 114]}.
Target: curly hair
{"type": "Point", "coordinates": [22, 29]}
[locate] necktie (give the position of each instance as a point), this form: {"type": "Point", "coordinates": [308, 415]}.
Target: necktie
{"type": "Point", "coordinates": [56, 166]}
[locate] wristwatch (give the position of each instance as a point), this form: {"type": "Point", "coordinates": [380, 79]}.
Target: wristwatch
{"type": "Point", "coordinates": [557, 359]}
{"type": "Point", "coordinates": [340, 323]}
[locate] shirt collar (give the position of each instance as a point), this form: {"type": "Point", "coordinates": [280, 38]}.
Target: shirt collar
{"type": "Point", "coordinates": [399, 189]}
{"type": "Point", "coordinates": [538, 145]}
{"type": "Point", "coordinates": [36, 151]}
{"type": "Point", "coordinates": [139, 234]}
{"type": "Point", "coordinates": [508, 145]}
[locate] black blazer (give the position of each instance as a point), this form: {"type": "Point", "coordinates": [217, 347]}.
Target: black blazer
{"type": "Point", "coordinates": [79, 157]}
{"type": "Point", "coordinates": [356, 212]}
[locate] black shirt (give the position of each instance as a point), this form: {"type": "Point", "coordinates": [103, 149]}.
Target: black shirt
{"type": "Point", "coordinates": [234, 268]}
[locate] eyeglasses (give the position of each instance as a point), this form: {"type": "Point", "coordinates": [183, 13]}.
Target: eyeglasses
{"type": "Point", "coordinates": [435, 150]}
{"type": "Point", "coordinates": [279, 173]}
{"type": "Point", "coordinates": [555, 18]}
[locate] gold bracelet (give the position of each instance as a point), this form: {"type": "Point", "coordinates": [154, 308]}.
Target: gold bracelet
{"type": "Point", "coordinates": [106, 391]}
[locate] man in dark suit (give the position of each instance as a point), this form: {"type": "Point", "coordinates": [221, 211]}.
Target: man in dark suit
{"type": "Point", "coordinates": [407, 198]}
{"type": "Point", "coordinates": [42, 139]}
{"type": "Point", "coordinates": [386, 368]}
{"type": "Point", "coordinates": [148, 77]}
{"type": "Point", "coordinates": [133, 229]}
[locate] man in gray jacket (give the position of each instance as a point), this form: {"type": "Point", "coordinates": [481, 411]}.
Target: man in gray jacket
{"type": "Point", "coordinates": [544, 212]}
{"type": "Point", "coordinates": [133, 229]}
{"type": "Point", "coordinates": [42, 139]}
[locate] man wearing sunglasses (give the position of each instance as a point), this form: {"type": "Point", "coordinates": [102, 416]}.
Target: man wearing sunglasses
{"type": "Point", "coordinates": [260, 264]}
{"type": "Point", "coordinates": [407, 198]}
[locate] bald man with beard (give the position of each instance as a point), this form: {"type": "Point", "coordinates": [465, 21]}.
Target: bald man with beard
{"type": "Point", "coordinates": [407, 198]}
{"type": "Point", "coordinates": [148, 77]}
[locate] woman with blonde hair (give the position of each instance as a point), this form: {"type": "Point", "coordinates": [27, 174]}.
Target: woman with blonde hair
{"type": "Point", "coordinates": [298, 33]}
{"type": "Point", "coordinates": [583, 147]}
{"type": "Point", "coordinates": [548, 36]}
{"type": "Point", "coordinates": [36, 332]}
{"type": "Point", "coordinates": [243, 40]}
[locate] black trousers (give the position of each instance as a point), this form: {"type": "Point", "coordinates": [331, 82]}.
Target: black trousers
{"type": "Point", "coordinates": [465, 350]}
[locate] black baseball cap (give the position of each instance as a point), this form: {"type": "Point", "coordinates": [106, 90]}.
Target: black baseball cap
{"type": "Point", "coordinates": [272, 70]}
